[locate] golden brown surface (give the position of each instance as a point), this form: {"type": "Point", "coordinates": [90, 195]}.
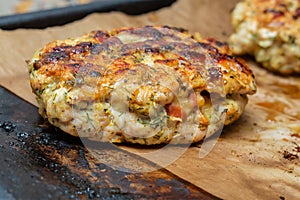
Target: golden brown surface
{"type": "Point", "coordinates": [144, 85]}
{"type": "Point", "coordinates": [269, 30]}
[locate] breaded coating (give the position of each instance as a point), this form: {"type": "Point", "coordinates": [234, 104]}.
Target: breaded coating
{"type": "Point", "coordinates": [269, 30]}
{"type": "Point", "coordinates": [146, 85]}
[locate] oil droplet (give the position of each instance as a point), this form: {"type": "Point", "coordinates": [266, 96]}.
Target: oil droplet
{"type": "Point", "coordinates": [291, 90]}
{"type": "Point", "coordinates": [273, 109]}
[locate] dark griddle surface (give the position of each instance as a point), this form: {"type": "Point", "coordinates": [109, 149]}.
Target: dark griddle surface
{"type": "Point", "coordinates": [39, 162]}
{"type": "Point", "coordinates": [60, 16]}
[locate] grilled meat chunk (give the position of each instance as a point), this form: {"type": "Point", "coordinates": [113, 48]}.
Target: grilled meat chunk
{"type": "Point", "coordinates": [147, 85]}
{"type": "Point", "coordinates": [269, 30]}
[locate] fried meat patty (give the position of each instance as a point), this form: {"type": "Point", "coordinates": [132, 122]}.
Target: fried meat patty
{"type": "Point", "coordinates": [146, 85]}
{"type": "Point", "coordinates": [269, 30]}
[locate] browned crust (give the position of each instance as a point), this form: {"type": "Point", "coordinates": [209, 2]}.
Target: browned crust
{"type": "Point", "coordinates": [91, 56]}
